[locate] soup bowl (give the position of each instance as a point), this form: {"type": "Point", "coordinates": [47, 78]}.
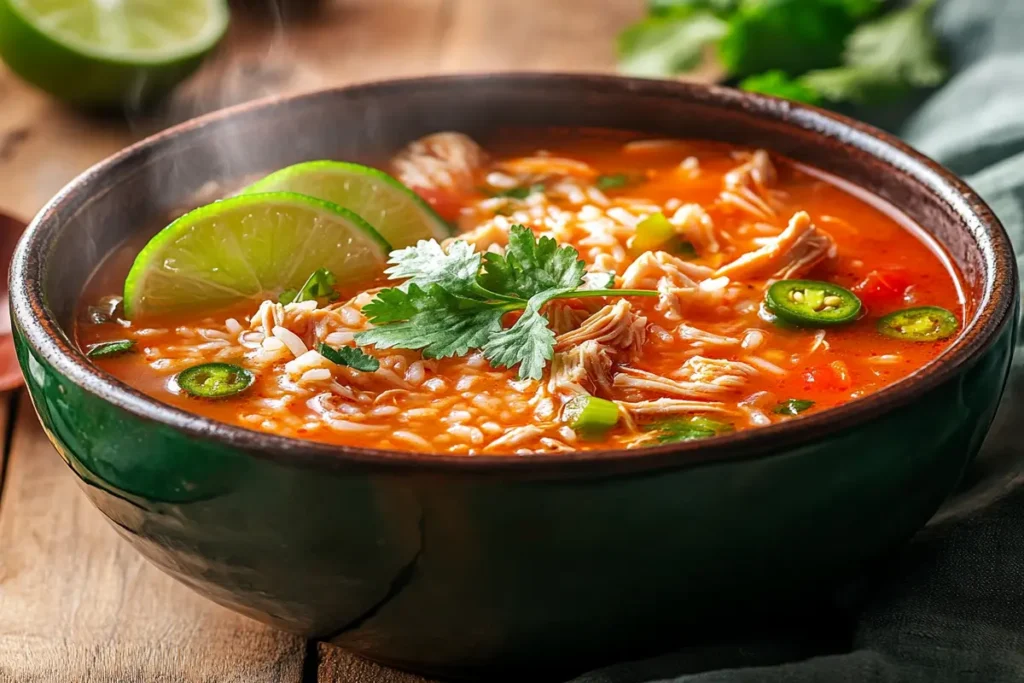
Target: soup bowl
{"type": "Point", "coordinates": [462, 565]}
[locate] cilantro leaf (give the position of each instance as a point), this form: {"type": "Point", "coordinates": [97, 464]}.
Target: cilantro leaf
{"type": "Point", "coordinates": [521, 192]}
{"type": "Point", "coordinates": [614, 181]}
{"type": "Point", "coordinates": [449, 305]}
{"type": "Point", "coordinates": [667, 45]}
{"type": "Point", "coordinates": [688, 429]}
{"type": "Point", "coordinates": [777, 83]}
{"type": "Point", "coordinates": [882, 60]}
{"type": "Point", "coordinates": [720, 7]}
{"type": "Point", "coordinates": [900, 44]}
{"type": "Point", "coordinates": [850, 84]}
{"type": "Point", "coordinates": [529, 343]}
{"type": "Point", "coordinates": [792, 36]}
{"type": "Point", "coordinates": [349, 355]}
{"type": "Point", "coordinates": [430, 319]}
{"type": "Point", "coordinates": [858, 9]}
{"type": "Point", "coordinates": [319, 285]}
{"type": "Point", "coordinates": [428, 263]}
{"type": "Point", "coordinates": [530, 266]}
{"type": "Point", "coordinates": [792, 406]}
{"type": "Point", "coordinates": [599, 280]}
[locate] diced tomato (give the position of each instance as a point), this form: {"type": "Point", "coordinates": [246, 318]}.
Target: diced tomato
{"type": "Point", "coordinates": [445, 202]}
{"type": "Point", "coordinates": [834, 376]}
{"type": "Point", "coordinates": [883, 287]}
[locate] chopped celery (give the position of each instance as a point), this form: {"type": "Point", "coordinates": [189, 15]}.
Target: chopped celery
{"type": "Point", "coordinates": [652, 233]}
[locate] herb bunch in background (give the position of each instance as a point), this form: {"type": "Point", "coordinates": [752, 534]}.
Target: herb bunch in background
{"type": "Point", "coordinates": [821, 52]}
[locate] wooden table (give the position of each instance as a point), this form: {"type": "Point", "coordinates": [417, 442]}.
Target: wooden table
{"type": "Point", "coordinates": [78, 604]}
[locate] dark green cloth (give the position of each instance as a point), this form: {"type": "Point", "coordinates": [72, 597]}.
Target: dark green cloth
{"type": "Point", "coordinates": [951, 608]}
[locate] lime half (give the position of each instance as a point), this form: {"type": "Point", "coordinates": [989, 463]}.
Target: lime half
{"type": "Point", "coordinates": [248, 247]}
{"type": "Point", "coordinates": [397, 212]}
{"type": "Point", "coordinates": [102, 53]}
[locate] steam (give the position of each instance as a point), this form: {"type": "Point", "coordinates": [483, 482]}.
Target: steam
{"type": "Point", "coordinates": [256, 59]}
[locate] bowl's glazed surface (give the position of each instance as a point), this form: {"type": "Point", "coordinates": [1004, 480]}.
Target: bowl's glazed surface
{"type": "Point", "coordinates": [461, 564]}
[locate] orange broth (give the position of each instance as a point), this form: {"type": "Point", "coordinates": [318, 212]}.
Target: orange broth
{"type": "Point", "coordinates": [890, 263]}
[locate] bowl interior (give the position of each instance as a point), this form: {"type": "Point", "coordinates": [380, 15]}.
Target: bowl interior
{"type": "Point", "coordinates": [125, 194]}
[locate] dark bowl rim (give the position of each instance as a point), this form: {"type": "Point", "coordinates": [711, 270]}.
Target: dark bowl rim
{"type": "Point", "coordinates": [993, 310]}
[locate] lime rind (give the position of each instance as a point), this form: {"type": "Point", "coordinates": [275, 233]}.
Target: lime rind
{"type": "Point", "coordinates": [247, 247]}
{"type": "Point", "coordinates": [113, 42]}
{"type": "Point", "coordinates": [398, 213]}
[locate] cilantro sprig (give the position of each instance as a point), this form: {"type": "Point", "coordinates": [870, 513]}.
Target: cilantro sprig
{"type": "Point", "coordinates": [349, 356]}
{"type": "Point", "coordinates": [455, 300]}
{"type": "Point", "coordinates": [319, 285]}
{"type": "Point", "coordinates": [815, 51]}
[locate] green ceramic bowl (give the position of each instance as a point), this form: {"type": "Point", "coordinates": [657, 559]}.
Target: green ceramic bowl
{"type": "Point", "coordinates": [469, 565]}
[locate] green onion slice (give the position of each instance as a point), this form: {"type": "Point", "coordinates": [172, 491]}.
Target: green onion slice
{"type": "Point", "coordinates": [792, 406]}
{"type": "Point", "coordinates": [590, 415]}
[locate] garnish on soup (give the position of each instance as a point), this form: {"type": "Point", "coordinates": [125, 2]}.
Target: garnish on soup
{"type": "Point", "coordinates": [600, 291]}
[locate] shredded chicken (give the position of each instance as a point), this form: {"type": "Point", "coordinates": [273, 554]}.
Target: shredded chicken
{"type": "Point", "coordinates": [615, 326]}
{"type": "Point", "coordinates": [747, 186]}
{"type": "Point", "coordinates": [535, 167]}
{"type": "Point", "coordinates": [757, 173]}
{"type": "Point", "coordinates": [697, 227]}
{"type": "Point", "coordinates": [564, 317]}
{"type": "Point", "coordinates": [441, 160]}
{"type": "Point", "coordinates": [796, 250]}
{"type": "Point", "coordinates": [585, 369]}
{"type": "Point", "coordinates": [702, 380]}
{"type": "Point", "coordinates": [701, 369]}
{"type": "Point", "coordinates": [651, 266]}
{"type": "Point", "coordinates": [671, 406]}
{"type": "Point", "coordinates": [555, 446]}
{"type": "Point", "coordinates": [515, 437]}
{"type": "Point", "coordinates": [674, 302]}
{"type": "Point", "coordinates": [704, 338]}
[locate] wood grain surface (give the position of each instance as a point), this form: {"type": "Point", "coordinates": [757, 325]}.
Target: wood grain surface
{"type": "Point", "coordinates": [76, 603]}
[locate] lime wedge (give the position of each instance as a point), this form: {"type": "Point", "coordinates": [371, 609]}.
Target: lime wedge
{"type": "Point", "coordinates": [397, 212]}
{"type": "Point", "coordinates": [249, 247]}
{"type": "Point", "coordinates": [101, 53]}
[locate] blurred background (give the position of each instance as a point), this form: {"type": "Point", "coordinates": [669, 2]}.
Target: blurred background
{"type": "Point", "coordinates": [83, 78]}
{"type": "Point", "coordinates": [273, 47]}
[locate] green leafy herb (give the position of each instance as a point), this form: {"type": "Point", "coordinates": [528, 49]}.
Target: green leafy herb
{"type": "Point", "coordinates": [777, 83]}
{"type": "Point", "coordinates": [530, 266]}
{"type": "Point", "coordinates": [521, 192]}
{"type": "Point", "coordinates": [721, 7]}
{"type": "Point", "coordinates": [793, 36]}
{"type": "Point", "coordinates": [350, 356]}
{"type": "Point", "coordinates": [664, 45]}
{"type": "Point", "coordinates": [792, 406]}
{"type": "Point", "coordinates": [431, 319]}
{"type": "Point", "coordinates": [814, 51]}
{"type": "Point", "coordinates": [427, 263]}
{"type": "Point", "coordinates": [615, 181]}
{"type": "Point", "coordinates": [111, 348]}
{"type": "Point", "coordinates": [530, 343]}
{"type": "Point", "coordinates": [319, 285]}
{"type": "Point", "coordinates": [454, 300]}
{"type": "Point", "coordinates": [883, 59]}
{"type": "Point", "coordinates": [688, 429]}
{"type": "Point", "coordinates": [682, 248]}
{"type": "Point", "coordinates": [599, 280]}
